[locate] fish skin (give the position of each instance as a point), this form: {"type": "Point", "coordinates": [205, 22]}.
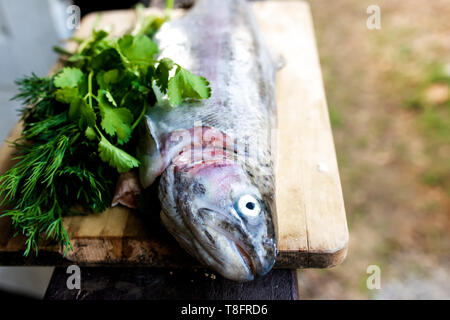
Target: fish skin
{"type": "Point", "coordinates": [217, 39]}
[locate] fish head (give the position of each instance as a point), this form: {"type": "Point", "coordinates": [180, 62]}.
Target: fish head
{"type": "Point", "coordinates": [218, 215]}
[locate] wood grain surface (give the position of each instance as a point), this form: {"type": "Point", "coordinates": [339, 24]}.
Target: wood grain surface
{"type": "Point", "coordinates": [310, 209]}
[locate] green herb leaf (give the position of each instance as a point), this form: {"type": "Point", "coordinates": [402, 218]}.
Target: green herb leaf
{"type": "Point", "coordinates": [80, 111]}
{"type": "Point", "coordinates": [89, 46]}
{"type": "Point", "coordinates": [116, 121]}
{"type": "Point", "coordinates": [90, 133]}
{"type": "Point", "coordinates": [68, 77]}
{"type": "Point", "coordinates": [106, 59]}
{"type": "Point", "coordinates": [66, 95]}
{"type": "Point", "coordinates": [162, 73]}
{"type": "Point", "coordinates": [185, 85]}
{"type": "Point", "coordinates": [116, 157]}
{"type": "Point", "coordinates": [138, 49]}
{"type": "Point", "coordinates": [111, 76]}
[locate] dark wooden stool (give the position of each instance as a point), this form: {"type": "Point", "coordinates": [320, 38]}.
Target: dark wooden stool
{"type": "Point", "coordinates": [116, 283]}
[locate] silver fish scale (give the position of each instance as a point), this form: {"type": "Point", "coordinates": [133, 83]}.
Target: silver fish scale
{"type": "Point", "coordinates": [219, 40]}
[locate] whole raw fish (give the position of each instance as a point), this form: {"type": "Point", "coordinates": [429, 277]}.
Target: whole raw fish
{"type": "Point", "coordinates": [215, 156]}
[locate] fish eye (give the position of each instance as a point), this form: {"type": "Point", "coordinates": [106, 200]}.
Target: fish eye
{"type": "Point", "coordinates": [249, 206]}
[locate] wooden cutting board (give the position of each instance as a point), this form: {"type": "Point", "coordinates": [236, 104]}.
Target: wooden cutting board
{"type": "Point", "coordinates": [310, 209]}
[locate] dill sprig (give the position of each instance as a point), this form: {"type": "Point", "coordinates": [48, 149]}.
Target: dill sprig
{"type": "Point", "coordinates": [52, 174]}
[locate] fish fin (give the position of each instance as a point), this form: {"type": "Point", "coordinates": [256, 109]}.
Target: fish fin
{"type": "Point", "coordinates": [149, 152]}
{"type": "Point", "coordinates": [127, 191]}
{"type": "Point", "coordinates": [155, 141]}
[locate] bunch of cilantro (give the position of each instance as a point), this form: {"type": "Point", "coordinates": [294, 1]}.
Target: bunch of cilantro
{"type": "Point", "coordinates": [80, 129]}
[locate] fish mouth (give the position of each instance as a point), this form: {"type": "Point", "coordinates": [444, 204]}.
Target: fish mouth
{"type": "Point", "coordinates": [256, 264]}
{"type": "Point", "coordinates": [243, 269]}
{"type": "Point", "coordinates": [247, 258]}
{"type": "Point", "coordinates": [227, 249]}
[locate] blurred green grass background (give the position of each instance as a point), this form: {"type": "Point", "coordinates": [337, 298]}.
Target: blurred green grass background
{"type": "Point", "coordinates": [388, 93]}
